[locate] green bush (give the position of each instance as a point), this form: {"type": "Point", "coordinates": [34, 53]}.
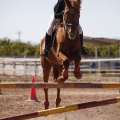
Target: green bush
{"type": "Point", "coordinates": [17, 48]}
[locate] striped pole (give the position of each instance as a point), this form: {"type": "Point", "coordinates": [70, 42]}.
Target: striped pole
{"type": "Point", "coordinates": [64, 85]}
{"type": "Point", "coordinates": [65, 109]}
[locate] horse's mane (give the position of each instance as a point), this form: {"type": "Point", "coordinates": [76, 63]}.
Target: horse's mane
{"type": "Point", "coordinates": [76, 4]}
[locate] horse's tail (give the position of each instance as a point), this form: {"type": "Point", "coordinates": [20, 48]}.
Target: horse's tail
{"type": "Point", "coordinates": [42, 44]}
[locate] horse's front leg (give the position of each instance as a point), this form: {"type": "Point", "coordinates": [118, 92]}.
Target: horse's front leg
{"type": "Point", "coordinates": [58, 99]}
{"type": "Point", "coordinates": [46, 103]}
{"type": "Point", "coordinates": [63, 70]}
{"type": "Point", "coordinates": [77, 72]}
{"type": "Point", "coordinates": [46, 70]}
{"type": "Point", "coordinates": [55, 76]}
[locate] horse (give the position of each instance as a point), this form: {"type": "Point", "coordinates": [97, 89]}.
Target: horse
{"type": "Point", "coordinates": [66, 49]}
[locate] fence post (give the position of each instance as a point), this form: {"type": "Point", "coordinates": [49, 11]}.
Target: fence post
{"type": "Point", "coordinates": [99, 67]}
{"type": "Point", "coordinates": [3, 68]}
{"type": "Point", "coordinates": [14, 68]}
{"type": "Point", "coordinates": [25, 69]}
{"type": "Point", "coordinates": [96, 52]}
{"type": "Point", "coordinates": [30, 68]}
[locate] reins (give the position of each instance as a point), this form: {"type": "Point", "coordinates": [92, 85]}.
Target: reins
{"type": "Point", "coordinates": [67, 26]}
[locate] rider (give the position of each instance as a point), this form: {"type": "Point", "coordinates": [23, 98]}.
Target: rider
{"type": "Point", "coordinates": [58, 14]}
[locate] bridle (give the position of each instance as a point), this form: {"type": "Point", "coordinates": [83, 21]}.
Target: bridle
{"type": "Point", "coordinates": [68, 27]}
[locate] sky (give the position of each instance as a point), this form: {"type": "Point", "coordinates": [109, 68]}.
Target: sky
{"type": "Point", "coordinates": [99, 18]}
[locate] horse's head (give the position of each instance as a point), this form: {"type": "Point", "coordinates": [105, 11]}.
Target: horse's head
{"type": "Point", "coordinates": [71, 17]}
{"type": "Point", "coordinates": [72, 11]}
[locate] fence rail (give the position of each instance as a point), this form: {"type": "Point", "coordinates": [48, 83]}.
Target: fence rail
{"type": "Point", "coordinates": [64, 85]}
{"type": "Point", "coordinates": [28, 66]}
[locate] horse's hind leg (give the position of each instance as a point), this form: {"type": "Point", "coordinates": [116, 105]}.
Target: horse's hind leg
{"type": "Point", "coordinates": [55, 76]}
{"type": "Point", "coordinates": [46, 70]}
{"type": "Point", "coordinates": [46, 76]}
{"type": "Point", "coordinates": [58, 99]}
{"type": "Point", "coordinates": [46, 103]}
{"type": "Point", "coordinates": [77, 72]}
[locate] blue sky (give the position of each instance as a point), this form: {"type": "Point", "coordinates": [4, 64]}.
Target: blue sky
{"type": "Point", "coordinates": [99, 18]}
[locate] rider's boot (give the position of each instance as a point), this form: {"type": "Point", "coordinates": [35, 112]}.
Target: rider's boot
{"type": "Point", "coordinates": [84, 50]}
{"type": "Point", "coordinates": [45, 54]}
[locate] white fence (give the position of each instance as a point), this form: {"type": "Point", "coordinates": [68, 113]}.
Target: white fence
{"type": "Point", "coordinates": [31, 66]}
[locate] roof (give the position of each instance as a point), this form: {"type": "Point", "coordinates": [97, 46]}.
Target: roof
{"type": "Point", "coordinates": [101, 41]}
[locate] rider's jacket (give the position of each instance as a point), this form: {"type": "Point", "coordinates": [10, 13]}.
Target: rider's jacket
{"type": "Point", "coordinates": [59, 9]}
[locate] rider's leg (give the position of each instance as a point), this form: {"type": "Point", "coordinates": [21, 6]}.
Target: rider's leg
{"type": "Point", "coordinates": [84, 50]}
{"type": "Point", "coordinates": [48, 40]}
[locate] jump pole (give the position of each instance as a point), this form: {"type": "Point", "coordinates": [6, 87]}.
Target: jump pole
{"type": "Point", "coordinates": [65, 109]}
{"type": "Point", "coordinates": [63, 85]}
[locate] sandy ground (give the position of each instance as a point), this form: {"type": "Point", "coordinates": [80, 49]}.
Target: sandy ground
{"type": "Point", "coordinates": [13, 102]}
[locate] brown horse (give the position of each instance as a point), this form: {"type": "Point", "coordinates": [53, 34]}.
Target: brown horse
{"type": "Point", "coordinates": [66, 49]}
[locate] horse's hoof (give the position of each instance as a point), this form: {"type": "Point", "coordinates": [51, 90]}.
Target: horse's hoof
{"type": "Point", "coordinates": [61, 80]}
{"type": "Point", "coordinates": [46, 105]}
{"type": "Point", "coordinates": [77, 75]}
{"type": "Point", "coordinates": [58, 100]}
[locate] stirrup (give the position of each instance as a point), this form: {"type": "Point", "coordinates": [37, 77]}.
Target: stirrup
{"type": "Point", "coordinates": [85, 51]}
{"type": "Point", "coordinates": [45, 54]}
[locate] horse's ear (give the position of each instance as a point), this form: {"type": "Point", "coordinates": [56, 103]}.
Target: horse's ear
{"type": "Point", "coordinates": [67, 3]}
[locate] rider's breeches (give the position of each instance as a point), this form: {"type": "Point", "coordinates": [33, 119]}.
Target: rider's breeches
{"type": "Point", "coordinates": [52, 24]}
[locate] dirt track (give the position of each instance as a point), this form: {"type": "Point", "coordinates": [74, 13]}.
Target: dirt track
{"type": "Point", "coordinates": [12, 102]}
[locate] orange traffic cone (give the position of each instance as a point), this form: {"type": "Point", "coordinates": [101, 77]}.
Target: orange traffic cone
{"type": "Point", "coordinates": [32, 96]}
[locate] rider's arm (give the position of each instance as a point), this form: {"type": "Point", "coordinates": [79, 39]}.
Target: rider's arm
{"type": "Point", "coordinates": [59, 9]}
